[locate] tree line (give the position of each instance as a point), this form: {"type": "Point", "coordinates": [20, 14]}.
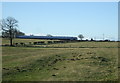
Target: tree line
{"type": "Point", "coordinates": [5, 34]}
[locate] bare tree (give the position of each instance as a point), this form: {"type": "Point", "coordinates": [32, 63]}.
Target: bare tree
{"type": "Point", "coordinates": [9, 25]}
{"type": "Point", "coordinates": [81, 36]}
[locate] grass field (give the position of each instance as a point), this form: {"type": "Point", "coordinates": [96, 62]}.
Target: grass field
{"type": "Point", "coordinates": [61, 62]}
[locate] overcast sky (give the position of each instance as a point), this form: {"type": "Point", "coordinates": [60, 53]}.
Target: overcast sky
{"type": "Point", "coordinates": [92, 19]}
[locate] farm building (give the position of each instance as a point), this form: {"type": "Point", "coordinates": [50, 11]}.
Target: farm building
{"type": "Point", "coordinates": [48, 37]}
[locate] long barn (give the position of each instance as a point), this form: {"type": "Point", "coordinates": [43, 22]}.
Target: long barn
{"type": "Point", "coordinates": [48, 37]}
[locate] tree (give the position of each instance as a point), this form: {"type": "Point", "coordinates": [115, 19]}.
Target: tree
{"type": "Point", "coordinates": [49, 35]}
{"type": "Point", "coordinates": [8, 26]}
{"type": "Point", "coordinates": [18, 33]}
{"type": "Point", "coordinates": [81, 36]}
{"type": "Point", "coordinates": [92, 39]}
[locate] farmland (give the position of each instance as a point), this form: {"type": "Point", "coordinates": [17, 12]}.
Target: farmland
{"type": "Point", "coordinates": [74, 61]}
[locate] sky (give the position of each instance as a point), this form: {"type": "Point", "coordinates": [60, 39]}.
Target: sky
{"type": "Point", "coordinates": [91, 19]}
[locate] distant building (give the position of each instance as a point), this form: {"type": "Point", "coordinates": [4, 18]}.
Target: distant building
{"type": "Point", "coordinates": [48, 37]}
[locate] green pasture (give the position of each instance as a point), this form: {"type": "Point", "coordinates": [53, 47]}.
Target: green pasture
{"type": "Point", "coordinates": [5, 41]}
{"type": "Point", "coordinates": [74, 44]}
{"type": "Point", "coordinates": [61, 64]}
